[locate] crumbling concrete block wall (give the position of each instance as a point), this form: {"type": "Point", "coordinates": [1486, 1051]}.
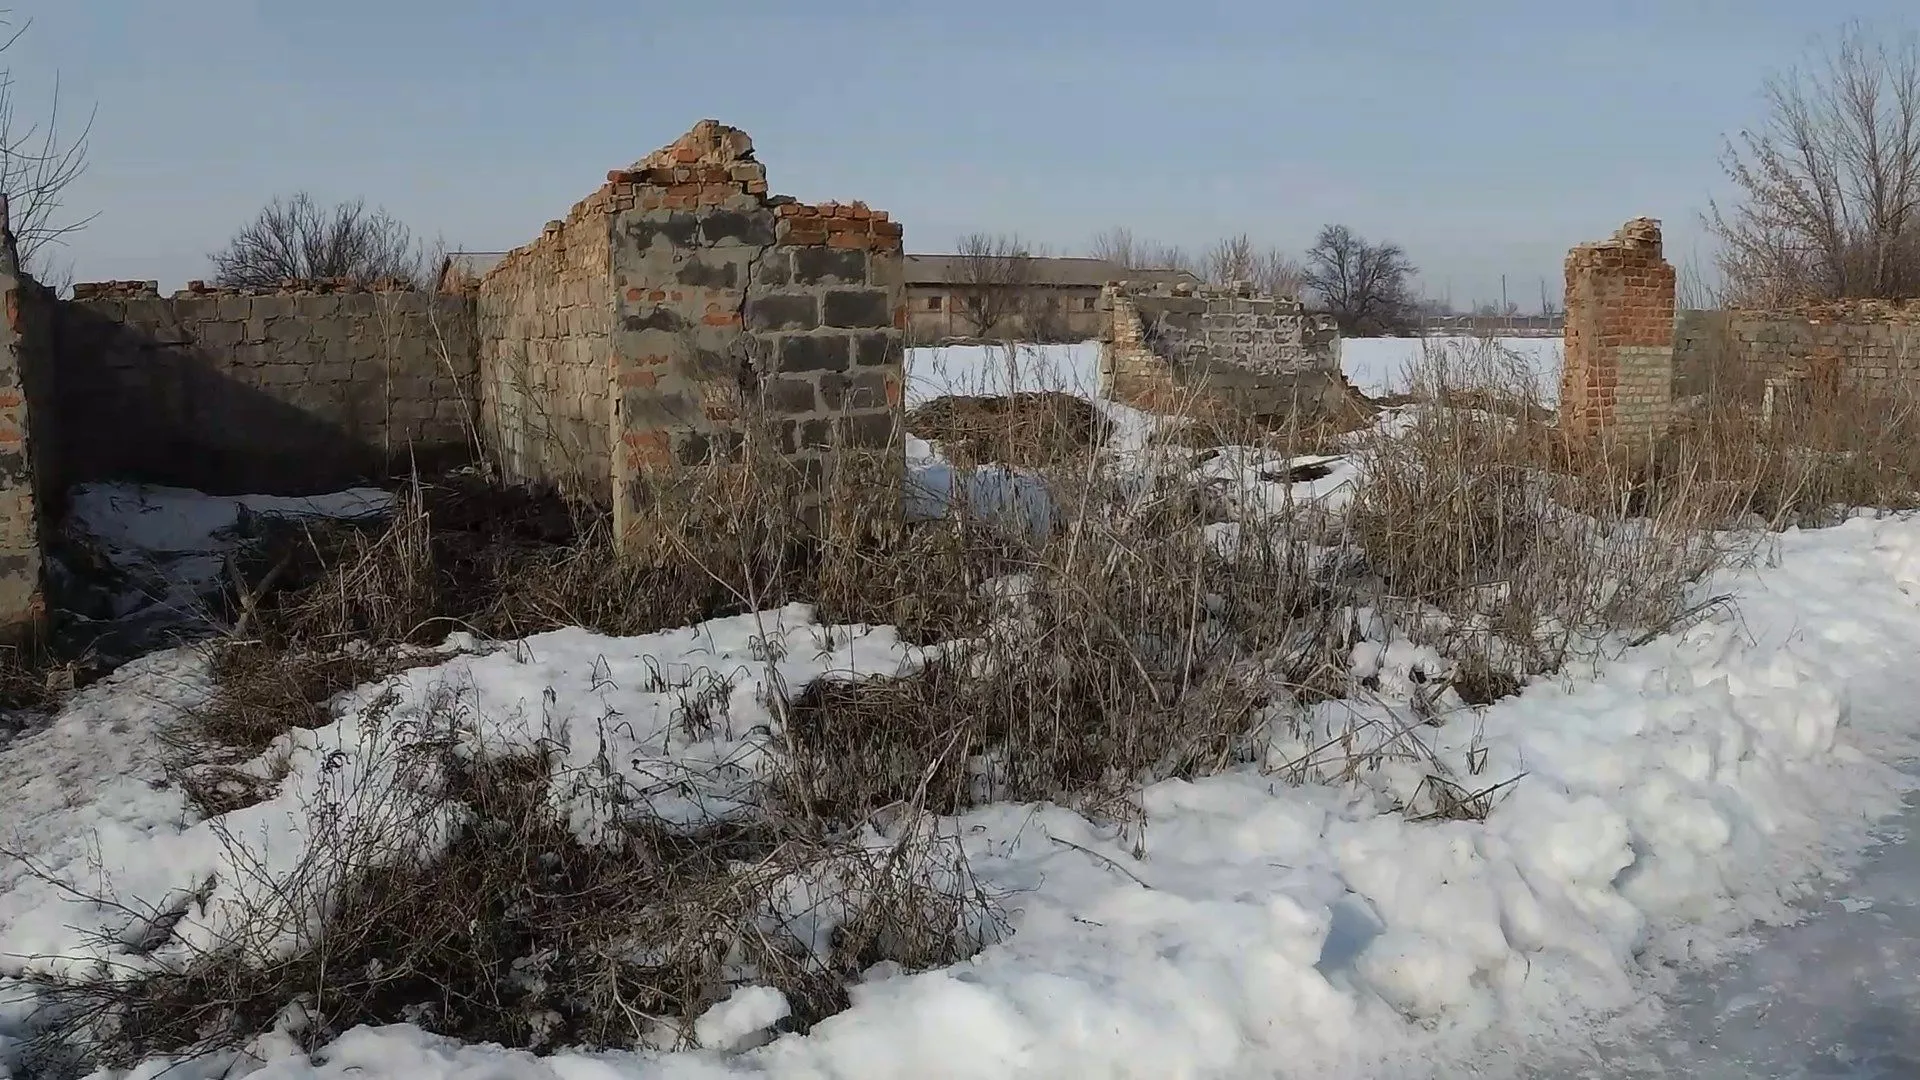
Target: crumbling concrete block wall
{"type": "Point", "coordinates": [1871, 347]}
{"type": "Point", "coordinates": [676, 310]}
{"type": "Point", "coordinates": [737, 312]}
{"type": "Point", "coordinates": [1618, 378]}
{"type": "Point", "coordinates": [1221, 351]}
{"type": "Point", "coordinates": [295, 390]}
{"type": "Point", "coordinates": [23, 342]}
{"type": "Point", "coordinates": [545, 325]}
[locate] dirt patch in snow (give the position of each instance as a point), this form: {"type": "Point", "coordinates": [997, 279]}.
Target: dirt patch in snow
{"type": "Point", "coordinates": [1032, 429]}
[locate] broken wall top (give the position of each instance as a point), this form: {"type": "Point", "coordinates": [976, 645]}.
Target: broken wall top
{"type": "Point", "coordinates": [150, 290]}
{"type": "Point", "coordinates": [1862, 311]}
{"type": "Point", "coordinates": [1239, 290]}
{"type": "Point", "coordinates": [713, 163]}
{"type": "Point", "coordinates": [1636, 242]}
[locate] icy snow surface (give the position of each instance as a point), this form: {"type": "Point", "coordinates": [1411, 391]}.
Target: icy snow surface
{"type": "Point", "coordinates": [1835, 996]}
{"type": "Point", "coordinates": [1666, 806]}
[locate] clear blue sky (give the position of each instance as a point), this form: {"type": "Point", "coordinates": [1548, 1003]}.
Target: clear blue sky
{"type": "Point", "coordinates": [1486, 136]}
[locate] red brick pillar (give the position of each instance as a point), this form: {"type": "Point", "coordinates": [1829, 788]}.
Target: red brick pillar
{"type": "Point", "coordinates": [1618, 378]}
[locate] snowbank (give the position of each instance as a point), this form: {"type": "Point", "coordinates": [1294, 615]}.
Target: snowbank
{"type": "Point", "coordinates": [679, 721]}
{"type": "Point", "coordinates": [1379, 367]}
{"type": "Point", "coordinates": [1647, 817]}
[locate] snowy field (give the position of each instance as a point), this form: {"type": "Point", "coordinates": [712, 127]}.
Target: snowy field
{"type": "Point", "coordinates": [1651, 816]}
{"type": "Point", "coordinates": [1001, 369]}
{"type": "Point", "coordinates": [1377, 367]}
{"type": "Point", "coordinates": [1380, 367]}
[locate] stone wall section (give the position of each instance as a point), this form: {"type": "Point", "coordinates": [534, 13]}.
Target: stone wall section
{"type": "Point", "coordinates": [1221, 353]}
{"type": "Point", "coordinates": [675, 312]}
{"type": "Point", "coordinates": [299, 389]}
{"type": "Point", "coordinates": [1129, 371]}
{"type": "Point", "coordinates": [1871, 347]}
{"type": "Point", "coordinates": [1618, 378]}
{"type": "Point", "coordinates": [545, 324]}
{"type": "Point", "coordinates": [740, 313]}
{"type": "Point", "coordinates": [22, 343]}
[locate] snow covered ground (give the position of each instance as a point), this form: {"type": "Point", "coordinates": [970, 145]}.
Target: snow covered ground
{"type": "Point", "coordinates": [1661, 809]}
{"type": "Point", "coordinates": [1651, 817]}
{"type": "Point", "coordinates": [1376, 367]}
{"type": "Point", "coordinates": [1001, 369]}
{"type": "Point", "coordinates": [1379, 367]}
{"type": "Point", "coordinates": [172, 543]}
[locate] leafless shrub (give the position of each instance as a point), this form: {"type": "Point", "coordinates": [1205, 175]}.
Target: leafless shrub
{"type": "Point", "coordinates": [39, 161]}
{"type": "Point", "coordinates": [1030, 428]}
{"type": "Point", "coordinates": [1828, 201]}
{"type": "Point", "coordinates": [1119, 246]}
{"type": "Point", "coordinates": [1829, 448]}
{"type": "Point", "coordinates": [1515, 552]}
{"type": "Point", "coordinates": [295, 238]}
{"type": "Point", "coordinates": [1150, 628]}
{"type": "Point", "coordinates": [457, 898]}
{"type": "Point", "coordinates": [1270, 270]}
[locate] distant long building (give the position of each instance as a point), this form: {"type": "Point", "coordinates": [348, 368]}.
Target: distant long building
{"type": "Point", "coordinates": [1041, 297]}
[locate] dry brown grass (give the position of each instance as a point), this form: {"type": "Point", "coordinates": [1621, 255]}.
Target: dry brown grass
{"type": "Point", "coordinates": [514, 931]}
{"type": "Point", "coordinates": [1825, 452]}
{"type": "Point", "coordinates": [1121, 645]}
{"type": "Point", "coordinates": [1531, 552]}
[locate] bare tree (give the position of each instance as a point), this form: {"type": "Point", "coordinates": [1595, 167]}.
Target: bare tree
{"type": "Point", "coordinates": [995, 275]}
{"type": "Point", "coordinates": [37, 164]}
{"type": "Point", "coordinates": [1829, 185]}
{"type": "Point", "coordinates": [1367, 288]}
{"type": "Point", "coordinates": [1119, 246]}
{"type": "Point", "coordinates": [296, 238]}
{"type": "Point", "coordinates": [1270, 270]}
{"type": "Point", "coordinates": [1279, 273]}
{"type": "Point", "coordinates": [1229, 260]}
{"type": "Point", "coordinates": [1116, 246]}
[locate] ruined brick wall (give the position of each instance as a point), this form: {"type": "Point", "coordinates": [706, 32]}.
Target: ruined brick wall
{"type": "Point", "coordinates": [287, 391]}
{"type": "Point", "coordinates": [1872, 347]}
{"type": "Point", "coordinates": [545, 321]}
{"type": "Point", "coordinates": [727, 299]}
{"type": "Point", "coordinates": [1618, 378]}
{"type": "Point", "coordinates": [674, 310]}
{"type": "Point", "coordinates": [23, 342]}
{"type": "Point", "coordinates": [1129, 371]}
{"type": "Point", "coordinates": [1220, 351]}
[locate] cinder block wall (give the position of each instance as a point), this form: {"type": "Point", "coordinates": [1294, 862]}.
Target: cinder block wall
{"type": "Point", "coordinates": [727, 300]}
{"type": "Point", "coordinates": [545, 317]}
{"type": "Point", "coordinates": [676, 303]}
{"type": "Point", "coordinates": [1618, 378]}
{"type": "Point", "coordinates": [1867, 345]}
{"type": "Point", "coordinates": [288, 391]}
{"type": "Point", "coordinates": [1221, 352]}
